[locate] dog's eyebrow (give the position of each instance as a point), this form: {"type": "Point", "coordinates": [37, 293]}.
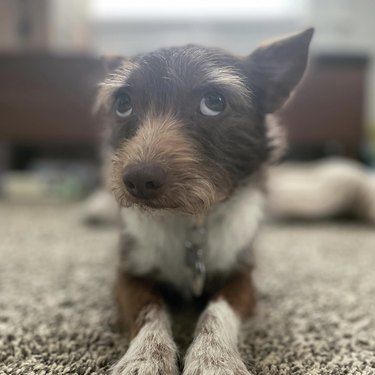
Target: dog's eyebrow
{"type": "Point", "coordinates": [113, 83]}
{"type": "Point", "coordinates": [121, 74]}
{"type": "Point", "coordinates": [229, 80]}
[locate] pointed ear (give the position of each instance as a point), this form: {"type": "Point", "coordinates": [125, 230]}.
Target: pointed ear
{"type": "Point", "coordinates": [112, 62]}
{"type": "Point", "coordinates": [276, 68]}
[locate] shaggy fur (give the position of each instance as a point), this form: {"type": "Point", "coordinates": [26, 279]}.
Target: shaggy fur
{"type": "Point", "coordinates": [189, 142]}
{"type": "Point", "coordinates": [193, 186]}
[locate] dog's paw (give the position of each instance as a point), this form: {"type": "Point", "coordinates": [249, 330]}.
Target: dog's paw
{"type": "Point", "coordinates": [151, 356]}
{"type": "Point", "coordinates": [142, 367]}
{"type": "Point", "coordinates": [210, 358]}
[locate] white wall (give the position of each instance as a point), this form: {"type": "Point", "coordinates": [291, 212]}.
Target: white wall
{"type": "Point", "coordinates": [23, 25]}
{"type": "Point", "coordinates": [139, 36]}
{"type": "Point", "coordinates": [68, 25]}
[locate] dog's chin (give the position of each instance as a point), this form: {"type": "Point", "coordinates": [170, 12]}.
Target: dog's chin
{"type": "Point", "coordinates": [186, 207]}
{"type": "Point", "coordinates": [155, 206]}
{"type": "Point", "coordinates": [151, 205]}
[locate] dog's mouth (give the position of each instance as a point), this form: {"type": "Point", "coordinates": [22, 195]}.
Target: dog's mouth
{"type": "Point", "coordinates": [167, 202]}
{"type": "Point", "coordinates": [182, 198]}
{"type": "Point", "coordinates": [190, 188]}
{"type": "Point", "coordinates": [152, 205]}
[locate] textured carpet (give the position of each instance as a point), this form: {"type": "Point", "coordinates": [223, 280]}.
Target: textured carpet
{"type": "Point", "coordinates": [316, 284]}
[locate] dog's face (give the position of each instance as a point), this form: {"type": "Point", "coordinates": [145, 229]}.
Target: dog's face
{"type": "Point", "coordinates": [187, 123]}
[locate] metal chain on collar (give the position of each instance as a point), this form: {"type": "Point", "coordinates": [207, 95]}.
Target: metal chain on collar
{"type": "Point", "coordinates": [194, 258]}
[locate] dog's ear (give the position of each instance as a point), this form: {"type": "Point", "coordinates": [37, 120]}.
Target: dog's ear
{"type": "Point", "coordinates": [112, 62]}
{"type": "Point", "coordinates": [276, 68]}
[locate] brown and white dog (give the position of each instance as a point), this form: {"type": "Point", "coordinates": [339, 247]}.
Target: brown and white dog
{"type": "Point", "coordinates": [190, 145]}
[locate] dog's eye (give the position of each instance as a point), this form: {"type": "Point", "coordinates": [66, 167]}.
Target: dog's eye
{"type": "Point", "coordinates": [212, 104]}
{"type": "Point", "coordinates": [123, 105]}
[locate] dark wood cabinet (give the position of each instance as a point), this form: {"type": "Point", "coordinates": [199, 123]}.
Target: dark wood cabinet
{"type": "Point", "coordinates": [46, 100]}
{"type": "Point", "coordinates": [46, 107]}
{"type": "Point", "coordinates": [325, 114]}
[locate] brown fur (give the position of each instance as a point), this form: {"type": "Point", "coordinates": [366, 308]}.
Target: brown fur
{"type": "Point", "coordinates": [193, 186]}
{"type": "Point", "coordinates": [239, 292]}
{"type": "Point", "coordinates": [135, 297]}
{"type": "Point", "coordinates": [205, 157]}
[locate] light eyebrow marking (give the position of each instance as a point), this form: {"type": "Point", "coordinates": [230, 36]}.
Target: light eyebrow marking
{"type": "Point", "coordinates": [229, 80]}
{"type": "Point", "coordinates": [114, 81]}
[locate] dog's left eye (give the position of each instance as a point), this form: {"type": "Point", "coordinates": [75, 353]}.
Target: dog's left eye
{"type": "Point", "coordinates": [123, 105]}
{"type": "Point", "coordinates": [212, 104]}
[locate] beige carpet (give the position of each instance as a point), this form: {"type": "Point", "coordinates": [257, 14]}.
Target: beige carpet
{"type": "Point", "coordinates": [316, 283]}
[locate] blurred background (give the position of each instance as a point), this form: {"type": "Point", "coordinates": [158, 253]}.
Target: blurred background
{"type": "Point", "coordinates": [49, 69]}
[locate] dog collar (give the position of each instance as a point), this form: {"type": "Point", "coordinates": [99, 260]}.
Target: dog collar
{"type": "Point", "coordinates": [194, 247]}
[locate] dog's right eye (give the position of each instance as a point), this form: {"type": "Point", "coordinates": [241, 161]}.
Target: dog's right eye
{"type": "Point", "coordinates": [212, 104]}
{"type": "Point", "coordinates": [123, 105]}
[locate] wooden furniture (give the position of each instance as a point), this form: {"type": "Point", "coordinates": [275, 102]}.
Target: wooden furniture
{"type": "Point", "coordinates": [325, 114]}
{"type": "Point", "coordinates": [46, 101]}
{"type": "Point", "coordinates": [45, 104]}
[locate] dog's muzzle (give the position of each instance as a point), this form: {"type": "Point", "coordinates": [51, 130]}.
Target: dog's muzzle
{"type": "Point", "coordinates": [144, 181]}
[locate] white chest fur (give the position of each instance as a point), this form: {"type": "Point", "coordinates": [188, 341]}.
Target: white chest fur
{"type": "Point", "coordinates": [160, 238]}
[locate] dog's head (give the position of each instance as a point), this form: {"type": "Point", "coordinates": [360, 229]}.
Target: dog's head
{"type": "Point", "coordinates": [187, 123]}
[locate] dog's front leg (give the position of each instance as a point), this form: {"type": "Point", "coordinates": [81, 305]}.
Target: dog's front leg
{"type": "Point", "coordinates": [214, 349]}
{"type": "Point", "coordinates": [151, 350]}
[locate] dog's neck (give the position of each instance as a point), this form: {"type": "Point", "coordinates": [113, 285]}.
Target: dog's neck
{"type": "Point", "coordinates": [194, 260]}
{"type": "Point", "coordinates": [162, 241]}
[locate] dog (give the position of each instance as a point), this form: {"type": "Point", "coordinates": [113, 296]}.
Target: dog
{"type": "Point", "coordinates": [189, 146]}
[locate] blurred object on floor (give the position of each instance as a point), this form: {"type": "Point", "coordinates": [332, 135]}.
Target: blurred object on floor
{"type": "Point", "coordinates": [49, 181]}
{"type": "Point", "coordinates": [101, 208]}
{"type": "Point", "coordinates": [326, 189]}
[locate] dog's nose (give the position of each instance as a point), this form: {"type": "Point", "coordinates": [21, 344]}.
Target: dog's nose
{"type": "Point", "coordinates": [144, 181]}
